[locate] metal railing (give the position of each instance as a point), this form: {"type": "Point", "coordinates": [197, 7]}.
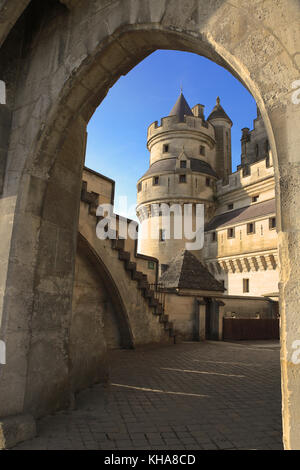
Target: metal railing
{"type": "Point", "coordinates": [159, 293]}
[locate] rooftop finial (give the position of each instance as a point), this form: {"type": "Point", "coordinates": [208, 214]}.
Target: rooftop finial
{"type": "Point", "coordinates": [218, 101]}
{"type": "Point", "coordinates": [181, 88]}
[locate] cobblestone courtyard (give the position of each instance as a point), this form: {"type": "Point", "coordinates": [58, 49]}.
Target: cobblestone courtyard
{"type": "Point", "coordinates": [211, 395]}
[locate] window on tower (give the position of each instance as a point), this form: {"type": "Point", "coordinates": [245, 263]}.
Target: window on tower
{"type": "Point", "coordinates": [246, 285]}
{"type": "Point", "coordinates": [207, 181]}
{"type": "Point", "coordinates": [202, 150]}
{"type": "Point", "coordinates": [183, 164]}
{"type": "Point", "coordinates": [155, 180]}
{"type": "Point", "coordinates": [182, 178]}
{"type": "Point", "coordinates": [165, 148]}
{"type": "Point", "coordinates": [139, 187]}
{"type": "Point", "coordinates": [162, 235]}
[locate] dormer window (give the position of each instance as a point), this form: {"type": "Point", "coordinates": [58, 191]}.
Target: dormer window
{"type": "Point", "coordinates": [166, 148]}
{"type": "Point", "coordinates": [183, 164]}
{"type": "Point", "coordinates": [182, 178]}
{"type": "Point", "coordinates": [202, 150]}
{"type": "Point", "coordinates": [230, 207]}
{"type": "Point", "coordinates": [155, 181]}
{"type": "Point", "coordinates": [254, 198]}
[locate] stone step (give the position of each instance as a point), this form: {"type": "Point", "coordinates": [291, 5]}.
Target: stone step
{"type": "Point", "coordinates": [118, 244]}
{"type": "Point", "coordinates": [137, 276]}
{"type": "Point", "coordinates": [153, 302]}
{"type": "Point", "coordinates": [143, 284]}
{"type": "Point", "coordinates": [124, 255]}
{"type": "Point", "coordinates": [164, 318]}
{"type": "Point", "coordinates": [130, 266]}
{"type": "Point", "coordinates": [148, 293]}
{"type": "Point", "coordinates": [168, 326]}
{"type": "Point", "coordinates": [159, 310]}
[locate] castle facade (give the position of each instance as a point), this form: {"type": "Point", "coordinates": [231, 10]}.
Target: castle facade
{"type": "Point", "coordinates": [190, 163]}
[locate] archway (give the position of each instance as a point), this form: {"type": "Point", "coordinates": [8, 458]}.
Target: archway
{"type": "Point", "coordinates": [42, 190]}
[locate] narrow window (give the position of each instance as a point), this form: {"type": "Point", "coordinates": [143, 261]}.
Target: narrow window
{"type": "Point", "coordinates": [150, 265]}
{"type": "Point", "coordinates": [155, 180]}
{"type": "Point", "coordinates": [202, 150]}
{"type": "Point", "coordinates": [207, 181]}
{"type": "Point", "coordinates": [230, 233]}
{"type": "Point", "coordinates": [246, 285]}
{"type": "Point", "coordinates": [165, 148]}
{"type": "Point", "coordinates": [250, 227]}
{"type": "Point", "coordinates": [162, 235]}
{"type": "Point", "coordinates": [272, 223]}
{"type": "Point", "coordinates": [230, 207]}
{"type": "Point", "coordinates": [182, 178]}
{"type": "Point", "coordinates": [183, 164]}
{"type": "Point", "coordinates": [214, 237]}
{"type": "Point", "coordinates": [261, 230]}
{"type": "Point", "coordinates": [256, 150]}
{"type": "Point", "coordinates": [139, 187]}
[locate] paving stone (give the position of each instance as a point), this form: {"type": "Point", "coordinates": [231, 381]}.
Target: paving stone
{"type": "Point", "coordinates": [190, 411]}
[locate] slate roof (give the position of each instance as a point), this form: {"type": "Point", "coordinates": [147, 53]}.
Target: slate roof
{"type": "Point", "coordinates": [218, 112]}
{"type": "Point", "coordinates": [185, 271]}
{"type": "Point", "coordinates": [181, 108]}
{"type": "Point", "coordinates": [169, 164]}
{"type": "Point", "coordinates": [239, 215]}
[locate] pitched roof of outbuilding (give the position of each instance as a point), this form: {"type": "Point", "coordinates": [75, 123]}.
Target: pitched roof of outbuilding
{"type": "Point", "coordinates": [181, 108]}
{"type": "Point", "coordinates": [185, 271]}
{"type": "Point", "coordinates": [244, 213]}
{"type": "Point", "coordinates": [169, 165]}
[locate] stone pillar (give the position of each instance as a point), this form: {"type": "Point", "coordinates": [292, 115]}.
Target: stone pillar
{"type": "Point", "coordinates": [37, 292]}
{"type": "Point", "coordinates": [201, 319]}
{"type": "Point", "coordinates": [286, 128]}
{"type": "Point", "coordinates": [221, 307]}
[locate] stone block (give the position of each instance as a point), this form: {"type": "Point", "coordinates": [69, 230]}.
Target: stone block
{"type": "Point", "coordinates": [15, 429]}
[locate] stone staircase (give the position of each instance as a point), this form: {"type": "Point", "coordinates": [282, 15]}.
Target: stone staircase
{"type": "Point", "coordinates": [143, 285]}
{"type": "Point", "coordinates": [128, 262]}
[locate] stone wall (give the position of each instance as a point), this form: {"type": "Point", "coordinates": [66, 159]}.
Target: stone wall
{"type": "Point", "coordinates": [70, 58]}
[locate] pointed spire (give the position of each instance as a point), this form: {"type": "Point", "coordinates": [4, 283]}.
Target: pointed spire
{"type": "Point", "coordinates": [181, 108]}
{"type": "Point", "coordinates": [218, 112]}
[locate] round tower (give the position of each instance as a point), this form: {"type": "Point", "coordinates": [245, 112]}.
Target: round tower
{"type": "Point", "coordinates": [182, 171]}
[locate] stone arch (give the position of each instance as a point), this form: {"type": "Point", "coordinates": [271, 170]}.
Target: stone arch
{"type": "Point", "coordinates": [103, 43]}
{"type": "Point", "coordinates": [126, 339]}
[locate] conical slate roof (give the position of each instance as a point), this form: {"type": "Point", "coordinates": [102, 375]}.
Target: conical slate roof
{"type": "Point", "coordinates": [185, 271]}
{"type": "Point", "coordinates": [181, 108]}
{"type": "Point", "coordinates": [218, 112]}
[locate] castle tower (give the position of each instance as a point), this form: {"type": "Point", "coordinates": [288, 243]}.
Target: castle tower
{"type": "Point", "coordinates": [182, 171]}
{"type": "Point", "coordinates": [222, 124]}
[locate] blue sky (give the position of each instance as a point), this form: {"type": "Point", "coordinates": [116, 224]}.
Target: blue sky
{"type": "Point", "coordinates": [117, 132]}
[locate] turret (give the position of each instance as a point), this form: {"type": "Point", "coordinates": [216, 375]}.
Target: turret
{"type": "Point", "coordinates": [222, 125]}
{"type": "Point", "coordinates": [182, 171]}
